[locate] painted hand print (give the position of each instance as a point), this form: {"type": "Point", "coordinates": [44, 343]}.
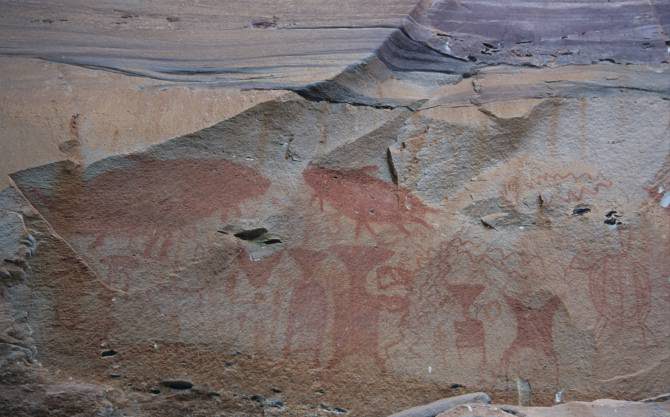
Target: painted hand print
{"type": "Point", "coordinates": [366, 200]}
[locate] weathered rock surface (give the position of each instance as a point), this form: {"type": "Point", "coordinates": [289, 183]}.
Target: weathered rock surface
{"type": "Point", "coordinates": [269, 43]}
{"type": "Point", "coordinates": [599, 408]}
{"type": "Point", "coordinates": [477, 202]}
{"type": "Point", "coordinates": [444, 405]}
{"type": "Point", "coordinates": [53, 111]}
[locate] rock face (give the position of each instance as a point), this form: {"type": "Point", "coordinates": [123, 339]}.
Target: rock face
{"type": "Point", "coordinates": [597, 408]}
{"type": "Point", "coordinates": [277, 43]}
{"type": "Point", "coordinates": [480, 195]}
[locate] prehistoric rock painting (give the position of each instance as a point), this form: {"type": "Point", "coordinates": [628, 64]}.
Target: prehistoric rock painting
{"type": "Point", "coordinates": [357, 312]}
{"type": "Point", "coordinates": [534, 330]}
{"type": "Point", "coordinates": [256, 271]}
{"type": "Point", "coordinates": [458, 288]}
{"type": "Point", "coordinates": [119, 271]}
{"type": "Point", "coordinates": [148, 199]}
{"type": "Point", "coordinates": [564, 186]}
{"type": "Point", "coordinates": [397, 283]}
{"type": "Point", "coordinates": [308, 308]}
{"type": "Point", "coordinates": [620, 290]}
{"type": "Point", "coordinates": [232, 289]}
{"type": "Point", "coordinates": [365, 199]}
{"type": "Point", "coordinates": [451, 300]}
{"type": "Point", "coordinates": [469, 330]}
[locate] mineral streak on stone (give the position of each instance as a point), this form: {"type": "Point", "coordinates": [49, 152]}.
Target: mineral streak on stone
{"type": "Point", "coordinates": [525, 392]}
{"type": "Point", "coordinates": [381, 204]}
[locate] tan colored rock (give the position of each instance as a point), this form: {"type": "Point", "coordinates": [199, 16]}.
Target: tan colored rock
{"type": "Point", "coordinates": [53, 112]}
{"type": "Point", "coordinates": [410, 223]}
{"type": "Point", "coordinates": [279, 43]}
{"type": "Point", "coordinates": [507, 302]}
{"type": "Point", "coordinates": [599, 408]}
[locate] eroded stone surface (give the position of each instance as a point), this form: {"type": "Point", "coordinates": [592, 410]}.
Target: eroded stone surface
{"type": "Point", "coordinates": [383, 239]}
{"type": "Point", "coordinates": [51, 112]}
{"type": "Point", "coordinates": [597, 408]}
{"type": "Point", "coordinates": [278, 43]}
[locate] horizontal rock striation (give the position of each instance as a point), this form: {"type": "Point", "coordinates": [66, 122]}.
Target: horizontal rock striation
{"type": "Point", "coordinates": [476, 197]}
